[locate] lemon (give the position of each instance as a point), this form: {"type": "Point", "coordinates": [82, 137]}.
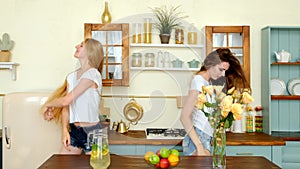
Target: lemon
{"type": "Point", "coordinates": [105, 151]}
{"type": "Point", "coordinates": [148, 154]}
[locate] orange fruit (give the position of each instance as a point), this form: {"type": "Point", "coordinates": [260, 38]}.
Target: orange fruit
{"type": "Point", "coordinates": [173, 159]}
{"type": "Point", "coordinates": [148, 154]}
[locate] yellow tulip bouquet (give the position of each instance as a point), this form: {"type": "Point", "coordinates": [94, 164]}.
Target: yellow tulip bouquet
{"type": "Point", "coordinates": [221, 110]}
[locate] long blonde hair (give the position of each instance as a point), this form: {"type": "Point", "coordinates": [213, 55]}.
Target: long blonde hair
{"type": "Point", "coordinates": [59, 92]}
{"type": "Point", "coordinates": [95, 54]}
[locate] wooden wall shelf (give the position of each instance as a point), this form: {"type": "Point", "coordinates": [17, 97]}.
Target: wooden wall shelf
{"type": "Point", "coordinates": [286, 63]}
{"type": "Point", "coordinates": [285, 97]}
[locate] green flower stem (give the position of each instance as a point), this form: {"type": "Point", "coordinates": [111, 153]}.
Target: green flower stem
{"type": "Point", "coordinates": [219, 145]}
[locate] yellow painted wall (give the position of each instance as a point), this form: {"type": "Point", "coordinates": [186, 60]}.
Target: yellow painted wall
{"type": "Point", "coordinates": [46, 32]}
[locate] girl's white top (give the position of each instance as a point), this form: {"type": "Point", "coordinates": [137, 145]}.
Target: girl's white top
{"type": "Point", "coordinates": [199, 119]}
{"type": "Point", "coordinates": [86, 107]}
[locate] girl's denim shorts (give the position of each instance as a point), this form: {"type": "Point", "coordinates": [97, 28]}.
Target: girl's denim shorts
{"type": "Point", "coordinates": [78, 136]}
{"type": "Point", "coordinates": [189, 147]}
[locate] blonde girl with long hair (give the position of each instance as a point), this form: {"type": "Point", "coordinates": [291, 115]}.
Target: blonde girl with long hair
{"type": "Point", "coordinates": [76, 103]}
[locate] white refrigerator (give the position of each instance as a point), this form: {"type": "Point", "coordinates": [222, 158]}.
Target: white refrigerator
{"type": "Point", "coordinates": [27, 139]}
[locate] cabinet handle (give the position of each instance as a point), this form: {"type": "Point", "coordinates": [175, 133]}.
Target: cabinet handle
{"type": "Point", "coordinates": [7, 138]}
{"type": "Point", "coordinates": [244, 154]}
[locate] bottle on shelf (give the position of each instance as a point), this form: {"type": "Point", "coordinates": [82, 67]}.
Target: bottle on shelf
{"type": "Point", "coordinates": [137, 33]}
{"type": "Point", "coordinates": [166, 59]}
{"type": "Point", "coordinates": [160, 59]}
{"type": "Point", "coordinates": [192, 35]}
{"type": "Point", "coordinates": [147, 30]}
{"type": "Point", "coordinates": [106, 16]}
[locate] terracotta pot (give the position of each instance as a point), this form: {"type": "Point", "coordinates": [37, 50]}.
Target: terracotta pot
{"type": "Point", "coordinates": [4, 56]}
{"type": "Point", "coordinates": [164, 38]}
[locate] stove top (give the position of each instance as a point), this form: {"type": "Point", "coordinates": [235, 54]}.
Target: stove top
{"type": "Point", "coordinates": [165, 133]}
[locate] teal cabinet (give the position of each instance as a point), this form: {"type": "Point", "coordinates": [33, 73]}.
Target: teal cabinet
{"type": "Point", "coordinates": [272, 153]}
{"type": "Point", "coordinates": [290, 155]}
{"type": "Point", "coordinates": [139, 149]}
{"type": "Point", "coordinates": [281, 112]}
{"type": "Point", "coordinates": [265, 151]}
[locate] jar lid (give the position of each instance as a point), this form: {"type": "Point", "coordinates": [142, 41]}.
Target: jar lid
{"type": "Point", "coordinates": [149, 54]}
{"type": "Point", "coordinates": [137, 54]}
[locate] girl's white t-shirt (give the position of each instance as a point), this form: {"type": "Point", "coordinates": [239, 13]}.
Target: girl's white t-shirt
{"type": "Point", "coordinates": [86, 107]}
{"type": "Point", "coordinates": [198, 117]}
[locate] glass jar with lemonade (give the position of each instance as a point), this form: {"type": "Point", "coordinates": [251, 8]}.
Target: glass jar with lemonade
{"type": "Point", "coordinates": [100, 155]}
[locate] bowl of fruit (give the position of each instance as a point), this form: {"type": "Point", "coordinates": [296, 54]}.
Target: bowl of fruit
{"type": "Point", "coordinates": [163, 158]}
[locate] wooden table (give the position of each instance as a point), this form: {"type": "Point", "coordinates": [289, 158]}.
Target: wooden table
{"type": "Point", "coordinates": [131, 162]}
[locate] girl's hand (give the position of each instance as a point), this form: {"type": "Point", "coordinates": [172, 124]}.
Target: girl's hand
{"type": "Point", "coordinates": [202, 152]}
{"type": "Point", "coordinates": [66, 139]}
{"type": "Point", "coordinates": [48, 114]}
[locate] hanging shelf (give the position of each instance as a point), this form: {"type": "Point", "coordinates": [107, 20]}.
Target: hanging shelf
{"type": "Point", "coordinates": [12, 66]}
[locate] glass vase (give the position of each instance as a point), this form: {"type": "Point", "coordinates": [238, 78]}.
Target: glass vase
{"type": "Point", "coordinates": [219, 147]}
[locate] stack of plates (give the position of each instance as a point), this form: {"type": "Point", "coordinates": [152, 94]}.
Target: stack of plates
{"type": "Point", "coordinates": [294, 86]}
{"type": "Point", "coordinates": [277, 87]}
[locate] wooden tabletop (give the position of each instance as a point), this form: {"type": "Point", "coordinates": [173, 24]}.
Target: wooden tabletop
{"type": "Point", "coordinates": [232, 139]}
{"type": "Point", "coordinates": [132, 162]}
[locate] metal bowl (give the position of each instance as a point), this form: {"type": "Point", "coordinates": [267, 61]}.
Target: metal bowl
{"type": "Point", "coordinates": [133, 112]}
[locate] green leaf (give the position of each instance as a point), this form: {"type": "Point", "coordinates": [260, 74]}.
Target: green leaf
{"type": "Point", "coordinates": [206, 114]}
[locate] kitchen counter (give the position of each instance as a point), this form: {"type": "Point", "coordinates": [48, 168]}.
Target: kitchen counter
{"type": "Point", "coordinates": [138, 137]}
{"type": "Point", "coordinates": [128, 162]}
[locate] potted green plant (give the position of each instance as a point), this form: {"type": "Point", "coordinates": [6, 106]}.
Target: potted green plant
{"type": "Point", "coordinates": [167, 20]}
{"type": "Point", "coordinates": [5, 45]}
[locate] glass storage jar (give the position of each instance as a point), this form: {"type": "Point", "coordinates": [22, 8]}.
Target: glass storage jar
{"type": "Point", "coordinates": [149, 60]}
{"type": "Point", "coordinates": [179, 36]}
{"type": "Point", "coordinates": [192, 35]}
{"type": "Point", "coordinates": [136, 60]}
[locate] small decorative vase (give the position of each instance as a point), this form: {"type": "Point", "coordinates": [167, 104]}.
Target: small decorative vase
{"type": "Point", "coordinates": [219, 146]}
{"type": "Point", "coordinates": [164, 38]}
{"type": "Point", "coordinates": [106, 17]}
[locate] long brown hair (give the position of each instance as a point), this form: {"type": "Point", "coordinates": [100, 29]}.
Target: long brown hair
{"type": "Point", "coordinates": [235, 76]}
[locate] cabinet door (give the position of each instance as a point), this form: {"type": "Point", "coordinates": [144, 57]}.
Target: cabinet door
{"type": "Point", "coordinates": [237, 38]}
{"type": "Point", "coordinates": [115, 41]}
{"type": "Point", "coordinates": [265, 151]}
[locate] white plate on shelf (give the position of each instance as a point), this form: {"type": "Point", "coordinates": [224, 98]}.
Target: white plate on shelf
{"type": "Point", "coordinates": [296, 89]}
{"type": "Point", "coordinates": [291, 83]}
{"type": "Point", "coordinates": [277, 87]}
